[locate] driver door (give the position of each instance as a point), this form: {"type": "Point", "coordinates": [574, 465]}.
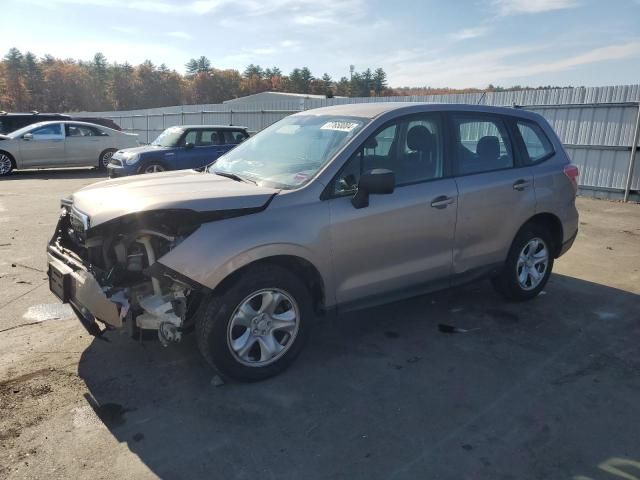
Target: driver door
{"type": "Point", "coordinates": [44, 147]}
{"type": "Point", "coordinates": [200, 148]}
{"type": "Point", "coordinates": [402, 243]}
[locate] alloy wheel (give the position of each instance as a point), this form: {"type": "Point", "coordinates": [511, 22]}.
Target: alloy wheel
{"type": "Point", "coordinates": [106, 158]}
{"type": "Point", "coordinates": [532, 263]}
{"type": "Point", "coordinates": [153, 168]}
{"type": "Point", "coordinates": [5, 164]}
{"type": "Point", "coordinates": [263, 327]}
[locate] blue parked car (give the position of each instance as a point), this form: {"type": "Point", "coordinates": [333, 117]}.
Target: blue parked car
{"type": "Point", "coordinates": [177, 148]}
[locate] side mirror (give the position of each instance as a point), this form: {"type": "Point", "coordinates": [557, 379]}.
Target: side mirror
{"type": "Point", "coordinates": [378, 181]}
{"type": "Point", "coordinates": [189, 146]}
{"type": "Point", "coordinates": [27, 136]}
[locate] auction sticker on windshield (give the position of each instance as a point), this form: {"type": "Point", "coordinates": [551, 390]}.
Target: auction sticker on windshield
{"type": "Point", "coordinates": [339, 126]}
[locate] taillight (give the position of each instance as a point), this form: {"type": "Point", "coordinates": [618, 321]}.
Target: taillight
{"type": "Point", "coordinates": [572, 172]}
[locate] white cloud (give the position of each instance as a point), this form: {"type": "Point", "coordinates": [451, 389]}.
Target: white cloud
{"type": "Point", "coordinates": [515, 7]}
{"type": "Point", "coordinates": [469, 33]}
{"type": "Point", "coordinates": [182, 35]}
{"type": "Point", "coordinates": [497, 65]}
{"type": "Point", "coordinates": [121, 29]}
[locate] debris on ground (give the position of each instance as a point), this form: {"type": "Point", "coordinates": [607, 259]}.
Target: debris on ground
{"type": "Point", "coordinates": [444, 328]}
{"type": "Point", "coordinates": [217, 381]}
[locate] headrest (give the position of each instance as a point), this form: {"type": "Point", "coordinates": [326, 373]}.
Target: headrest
{"type": "Point", "coordinates": [419, 138]}
{"type": "Point", "coordinates": [488, 147]}
{"type": "Point", "coordinates": [371, 142]}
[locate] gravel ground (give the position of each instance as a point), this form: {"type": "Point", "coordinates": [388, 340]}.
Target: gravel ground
{"type": "Point", "coordinates": [548, 389]}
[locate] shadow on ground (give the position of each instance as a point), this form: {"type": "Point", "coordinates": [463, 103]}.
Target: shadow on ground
{"type": "Point", "coordinates": [545, 389]}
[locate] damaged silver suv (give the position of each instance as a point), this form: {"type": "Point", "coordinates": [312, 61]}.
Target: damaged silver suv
{"type": "Point", "coordinates": [335, 208]}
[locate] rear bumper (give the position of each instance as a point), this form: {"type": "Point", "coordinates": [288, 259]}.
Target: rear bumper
{"type": "Point", "coordinates": [567, 244]}
{"type": "Point", "coordinates": [72, 283]}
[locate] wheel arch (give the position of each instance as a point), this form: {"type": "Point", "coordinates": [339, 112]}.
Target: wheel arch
{"type": "Point", "coordinates": [553, 224]}
{"type": "Point", "coordinates": [301, 267]}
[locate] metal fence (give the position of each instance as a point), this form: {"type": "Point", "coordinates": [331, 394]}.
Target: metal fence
{"type": "Point", "coordinates": [599, 126]}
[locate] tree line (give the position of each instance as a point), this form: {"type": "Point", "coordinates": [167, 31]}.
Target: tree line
{"type": "Point", "coordinates": [53, 84]}
{"type": "Point", "coordinates": [63, 85]}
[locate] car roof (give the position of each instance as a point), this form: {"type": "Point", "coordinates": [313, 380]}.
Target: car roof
{"type": "Point", "coordinates": [221, 127]}
{"type": "Point", "coordinates": [375, 109]}
{"type": "Point", "coordinates": [69, 122]}
{"type": "Point", "coordinates": [32, 114]}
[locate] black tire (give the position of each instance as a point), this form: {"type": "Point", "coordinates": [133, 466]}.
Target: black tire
{"type": "Point", "coordinates": [153, 166]}
{"type": "Point", "coordinates": [105, 158]}
{"type": "Point", "coordinates": [507, 282]}
{"type": "Point", "coordinates": [7, 164]}
{"type": "Point", "coordinates": [213, 322]}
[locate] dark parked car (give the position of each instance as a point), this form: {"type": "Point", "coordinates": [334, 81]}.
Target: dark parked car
{"type": "Point", "coordinates": [10, 122]}
{"type": "Point", "coordinates": [177, 148]}
{"type": "Point", "coordinates": [105, 122]}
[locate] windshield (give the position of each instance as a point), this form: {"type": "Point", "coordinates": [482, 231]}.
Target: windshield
{"type": "Point", "coordinates": [169, 138]}
{"type": "Point", "coordinates": [289, 153]}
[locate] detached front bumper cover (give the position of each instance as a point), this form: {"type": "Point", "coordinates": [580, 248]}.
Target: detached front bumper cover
{"type": "Point", "coordinates": [74, 284]}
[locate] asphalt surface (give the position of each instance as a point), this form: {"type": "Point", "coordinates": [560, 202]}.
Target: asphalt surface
{"type": "Point", "coordinates": [548, 389]}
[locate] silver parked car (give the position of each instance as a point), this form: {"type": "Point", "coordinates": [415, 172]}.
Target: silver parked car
{"type": "Point", "coordinates": [334, 208]}
{"type": "Point", "coordinates": [61, 144]}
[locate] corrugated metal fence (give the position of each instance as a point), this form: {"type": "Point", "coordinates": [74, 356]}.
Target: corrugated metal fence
{"type": "Point", "coordinates": [597, 125]}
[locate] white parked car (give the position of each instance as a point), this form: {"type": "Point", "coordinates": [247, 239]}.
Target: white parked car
{"type": "Point", "coordinates": [61, 144]}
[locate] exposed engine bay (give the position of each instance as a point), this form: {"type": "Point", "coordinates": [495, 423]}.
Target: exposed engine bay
{"type": "Point", "coordinates": [115, 278]}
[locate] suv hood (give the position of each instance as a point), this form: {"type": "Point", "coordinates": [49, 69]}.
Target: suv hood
{"type": "Point", "coordinates": [182, 189]}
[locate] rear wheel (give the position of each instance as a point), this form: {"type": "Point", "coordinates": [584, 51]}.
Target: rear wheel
{"type": "Point", "coordinates": [105, 158]}
{"type": "Point", "coordinates": [257, 326]}
{"type": "Point", "coordinates": [6, 164]}
{"type": "Point", "coordinates": [528, 265]}
{"type": "Point", "coordinates": [152, 167]}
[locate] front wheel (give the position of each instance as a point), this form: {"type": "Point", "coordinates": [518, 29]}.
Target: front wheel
{"type": "Point", "coordinates": [256, 327]}
{"type": "Point", "coordinates": [528, 265]}
{"type": "Point", "coordinates": [152, 167]}
{"type": "Point", "coordinates": [6, 165]}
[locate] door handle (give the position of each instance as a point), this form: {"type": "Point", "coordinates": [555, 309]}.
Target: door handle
{"type": "Point", "coordinates": [441, 202]}
{"type": "Point", "coordinates": [520, 185]}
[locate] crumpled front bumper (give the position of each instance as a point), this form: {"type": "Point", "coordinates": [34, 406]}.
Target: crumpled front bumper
{"type": "Point", "coordinates": [72, 283]}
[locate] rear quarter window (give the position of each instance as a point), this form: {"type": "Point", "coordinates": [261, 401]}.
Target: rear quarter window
{"type": "Point", "coordinates": [537, 146]}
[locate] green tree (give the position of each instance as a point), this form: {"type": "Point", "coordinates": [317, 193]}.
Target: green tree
{"type": "Point", "coordinates": [379, 81]}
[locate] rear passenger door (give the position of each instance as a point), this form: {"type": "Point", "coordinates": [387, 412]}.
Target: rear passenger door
{"type": "Point", "coordinates": [83, 145]}
{"type": "Point", "coordinates": [496, 194]}
{"type": "Point", "coordinates": [400, 244]}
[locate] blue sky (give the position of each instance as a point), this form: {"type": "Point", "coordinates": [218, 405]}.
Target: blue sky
{"type": "Point", "coordinates": [440, 43]}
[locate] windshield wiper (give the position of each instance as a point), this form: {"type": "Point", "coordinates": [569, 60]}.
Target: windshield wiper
{"type": "Point", "coordinates": [234, 176]}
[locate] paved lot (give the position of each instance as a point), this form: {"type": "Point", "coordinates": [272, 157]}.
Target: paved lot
{"type": "Point", "coordinates": [549, 389]}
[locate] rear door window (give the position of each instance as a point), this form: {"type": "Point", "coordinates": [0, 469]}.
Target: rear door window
{"type": "Point", "coordinates": [209, 138]}
{"type": "Point", "coordinates": [482, 143]}
{"type": "Point", "coordinates": [232, 137]}
{"type": "Point", "coordinates": [81, 131]}
{"type": "Point", "coordinates": [536, 144]}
